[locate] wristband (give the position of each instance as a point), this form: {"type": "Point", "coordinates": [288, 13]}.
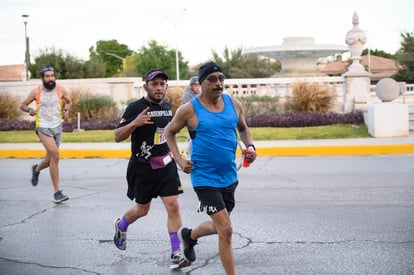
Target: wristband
{"type": "Point", "coordinates": [252, 145]}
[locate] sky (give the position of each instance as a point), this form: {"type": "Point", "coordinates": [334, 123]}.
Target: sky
{"type": "Point", "coordinates": [195, 27]}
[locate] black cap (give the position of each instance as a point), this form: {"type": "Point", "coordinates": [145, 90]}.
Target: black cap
{"type": "Point", "coordinates": [154, 73]}
{"type": "Point", "coordinates": [206, 69]}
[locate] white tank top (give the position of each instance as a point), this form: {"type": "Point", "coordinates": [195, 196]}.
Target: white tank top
{"type": "Point", "coordinates": [49, 110]}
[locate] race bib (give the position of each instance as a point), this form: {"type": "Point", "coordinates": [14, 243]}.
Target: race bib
{"type": "Point", "coordinates": [159, 136]}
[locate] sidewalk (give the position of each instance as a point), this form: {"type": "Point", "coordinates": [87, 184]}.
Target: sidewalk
{"type": "Point", "coordinates": [324, 147]}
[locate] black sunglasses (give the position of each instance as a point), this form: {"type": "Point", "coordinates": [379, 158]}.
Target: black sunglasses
{"type": "Point", "coordinates": [213, 78]}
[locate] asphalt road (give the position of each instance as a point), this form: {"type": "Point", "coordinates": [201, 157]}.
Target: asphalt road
{"type": "Point", "coordinates": [294, 215]}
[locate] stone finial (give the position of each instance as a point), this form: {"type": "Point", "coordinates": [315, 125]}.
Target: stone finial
{"type": "Point", "coordinates": [387, 89]}
{"type": "Point", "coordinates": [355, 39]}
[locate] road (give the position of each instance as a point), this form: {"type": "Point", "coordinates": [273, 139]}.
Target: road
{"type": "Point", "coordinates": [294, 215]}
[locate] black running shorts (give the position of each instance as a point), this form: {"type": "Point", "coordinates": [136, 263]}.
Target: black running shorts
{"type": "Point", "coordinates": [214, 199]}
{"type": "Point", "coordinates": [144, 183]}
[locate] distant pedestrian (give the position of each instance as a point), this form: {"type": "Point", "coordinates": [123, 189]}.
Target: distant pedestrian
{"type": "Point", "coordinates": [192, 90]}
{"type": "Point", "coordinates": [213, 118]}
{"type": "Point", "coordinates": [151, 171]}
{"type": "Point", "coordinates": [52, 106]}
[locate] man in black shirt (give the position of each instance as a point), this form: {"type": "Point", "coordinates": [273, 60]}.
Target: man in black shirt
{"type": "Point", "coordinates": [151, 171]}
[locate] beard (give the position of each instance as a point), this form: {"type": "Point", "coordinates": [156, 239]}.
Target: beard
{"type": "Point", "coordinates": [153, 98]}
{"type": "Point", "coordinates": [49, 85]}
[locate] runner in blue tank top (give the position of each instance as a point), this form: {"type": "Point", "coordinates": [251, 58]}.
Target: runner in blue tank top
{"type": "Point", "coordinates": [213, 119]}
{"type": "Point", "coordinates": [215, 144]}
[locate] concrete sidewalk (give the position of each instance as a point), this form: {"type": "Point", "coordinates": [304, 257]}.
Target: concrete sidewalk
{"type": "Point", "coordinates": [323, 147]}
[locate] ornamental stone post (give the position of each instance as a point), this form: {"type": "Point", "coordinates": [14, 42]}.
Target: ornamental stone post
{"type": "Point", "coordinates": [387, 119]}
{"type": "Point", "coordinates": [357, 81]}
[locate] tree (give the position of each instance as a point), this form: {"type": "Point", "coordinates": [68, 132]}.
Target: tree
{"type": "Point", "coordinates": [235, 64]}
{"type": "Point", "coordinates": [405, 56]}
{"type": "Point", "coordinates": [379, 53]}
{"type": "Point", "coordinates": [66, 66]}
{"type": "Point", "coordinates": [95, 68]}
{"type": "Point", "coordinates": [130, 64]}
{"type": "Point", "coordinates": [112, 54]}
{"type": "Point", "coordinates": [159, 56]}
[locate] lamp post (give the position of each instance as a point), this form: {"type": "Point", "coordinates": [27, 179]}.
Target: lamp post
{"type": "Point", "coordinates": [177, 66]}
{"type": "Point", "coordinates": [117, 57]}
{"type": "Point", "coordinates": [27, 56]}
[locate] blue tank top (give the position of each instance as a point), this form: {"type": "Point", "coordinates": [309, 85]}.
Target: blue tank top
{"type": "Point", "coordinates": [214, 145]}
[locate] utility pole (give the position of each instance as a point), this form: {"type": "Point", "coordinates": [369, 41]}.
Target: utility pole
{"type": "Point", "coordinates": [27, 55]}
{"type": "Point", "coordinates": [177, 65]}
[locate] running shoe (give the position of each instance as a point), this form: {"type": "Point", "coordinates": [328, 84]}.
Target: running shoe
{"type": "Point", "coordinates": [187, 244]}
{"type": "Point", "coordinates": [35, 175]}
{"type": "Point", "coordinates": [60, 197]}
{"type": "Point", "coordinates": [178, 261]}
{"type": "Point", "coordinates": [120, 236]}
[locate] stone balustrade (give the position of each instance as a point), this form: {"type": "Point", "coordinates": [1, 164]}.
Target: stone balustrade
{"type": "Point", "coordinates": [123, 89]}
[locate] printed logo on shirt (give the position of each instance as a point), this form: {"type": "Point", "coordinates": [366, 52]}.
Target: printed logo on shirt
{"type": "Point", "coordinates": [145, 151]}
{"type": "Point", "coordinates": [160, 113]}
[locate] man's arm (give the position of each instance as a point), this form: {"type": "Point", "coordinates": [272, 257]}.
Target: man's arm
{"type": "Point", "coordinates": [24, 106]}
{"type": "Point", "coordinates": [178, 122]}
{"type": "Point", "coordinates": [122, 133]}
{"type": "Point", "coordinates": [66, 98]}
{"type": "Point", "coordinates": [68, 103]}
{"type": "Point", "coordinates": [243, 129]}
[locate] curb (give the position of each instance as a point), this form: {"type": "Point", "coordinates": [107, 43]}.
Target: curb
{"type": "Point", "coordinates": [274, 151]}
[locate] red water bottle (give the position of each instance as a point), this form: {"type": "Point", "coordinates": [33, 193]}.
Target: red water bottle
{"type": "Point", "coordinates": [247, 155]}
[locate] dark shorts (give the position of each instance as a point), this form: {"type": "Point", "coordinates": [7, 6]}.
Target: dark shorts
{"type": "Point", "coordinates": [145, 183]}
{"type": "Point", "coordinates": [214, 199]}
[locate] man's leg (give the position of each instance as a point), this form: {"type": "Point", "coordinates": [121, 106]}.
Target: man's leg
{"type": "Point", "coordinates": [130, 216]}
{"type": "Point", "coordinates": [51, 160]}
{"type": "Point", "coordinates": [221, 225]}
{"type": "Point", "coordinates": [224, 229]}
{"type": "Point", "coordinates": [173, 213]}
{"type": "Point", "coordinates": [174, 223]}
{"type": "Point", "coordinates": [137, 211]}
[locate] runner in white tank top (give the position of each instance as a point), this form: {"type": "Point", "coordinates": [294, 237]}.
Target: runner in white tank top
{"type": "Point", "coordinates": [52, 106]}
{"type": "Point", "coordinates": [49, 110]}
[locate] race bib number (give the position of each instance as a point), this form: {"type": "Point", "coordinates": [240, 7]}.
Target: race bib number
{"type": "Point", "coordinates": [159, 136]}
